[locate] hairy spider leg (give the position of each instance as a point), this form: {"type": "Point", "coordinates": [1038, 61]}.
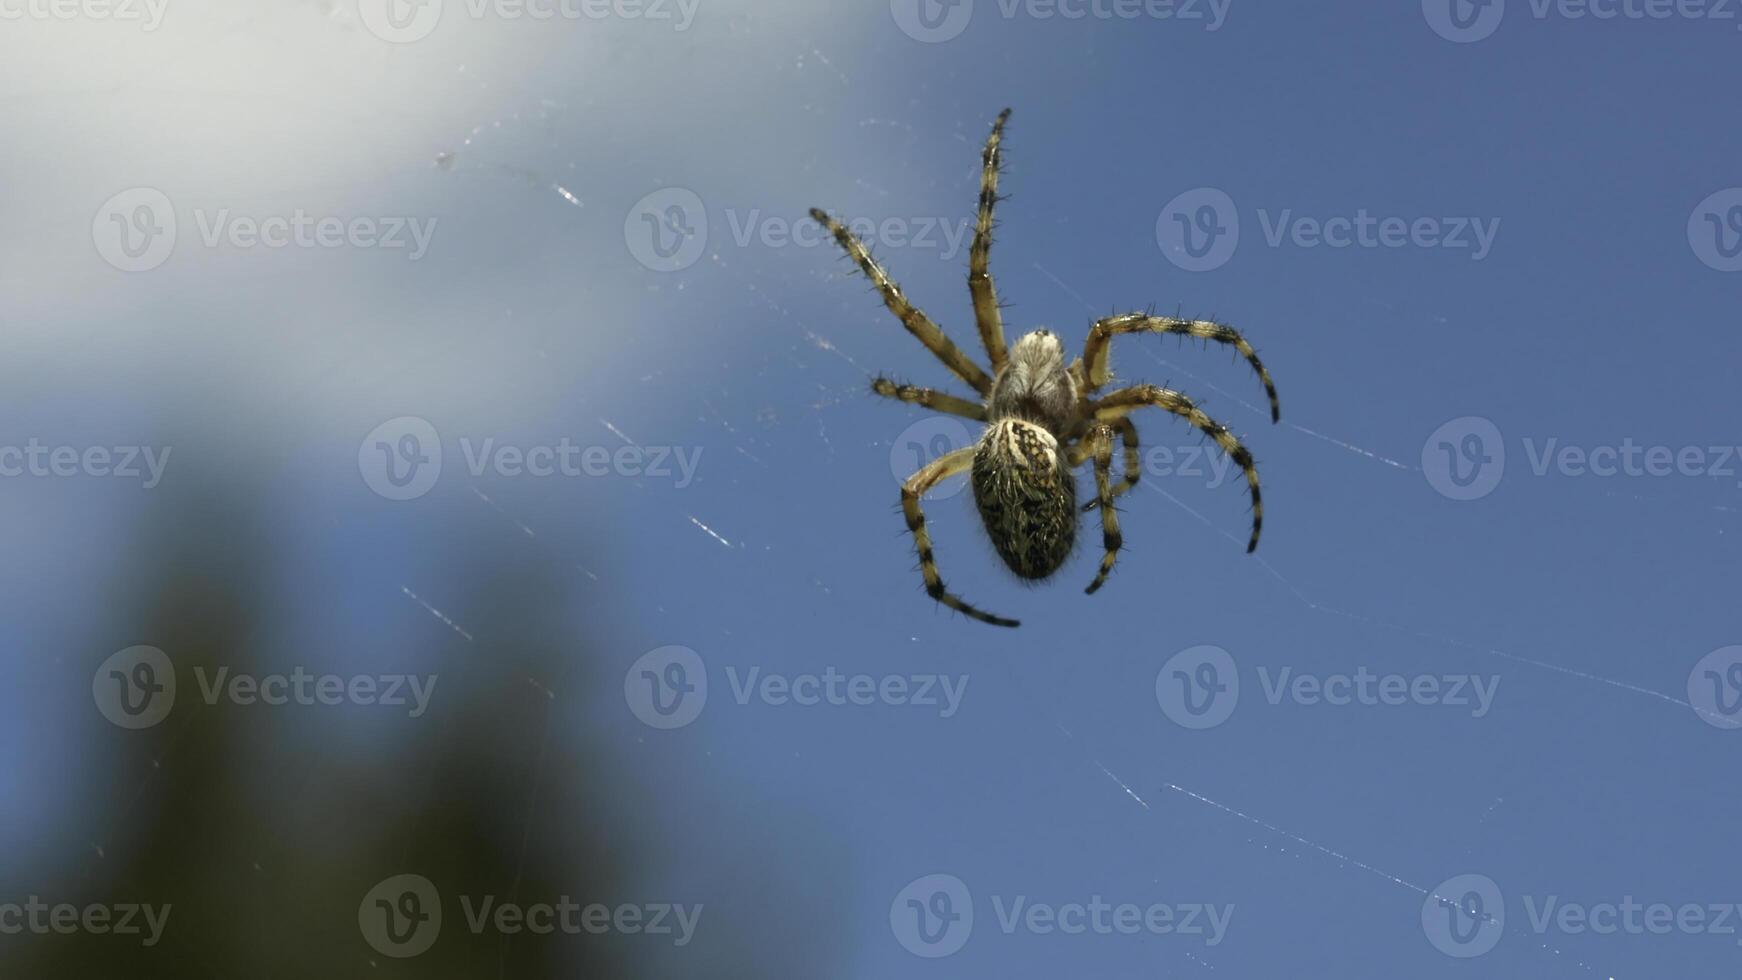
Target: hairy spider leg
{"type": "Point", "coordinates": [1101, 335]}
{"type": "Point", "coordinates": [911, 317]}
{"type": "Point", "coordinates": [986, 313]}
{"type": "Point", "coordinates": [1127, 400]}
{"type": "Point", "coordinates": [928, 476]}
{"type": "Point", "coordinates": [931, 398]}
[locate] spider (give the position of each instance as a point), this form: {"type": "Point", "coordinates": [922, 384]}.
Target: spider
{"type": "Point", "coordinates": [1042, 417]}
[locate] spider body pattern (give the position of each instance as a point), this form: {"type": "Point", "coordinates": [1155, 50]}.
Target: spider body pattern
{"type": "Point", "coordinates": [1044, 418]}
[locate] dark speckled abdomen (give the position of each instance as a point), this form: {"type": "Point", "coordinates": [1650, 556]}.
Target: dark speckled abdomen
{"type": "Point", "coordinates": [1027, 497]}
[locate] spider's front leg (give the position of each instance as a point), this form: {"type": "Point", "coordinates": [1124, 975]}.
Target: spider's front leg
{"type": "Point", "coordinates": [937, 401]}
{"type": "Point", "coordinates": [986, 313]}
{"type": "Point", "coordinates": [928, 476]}
{"type": "Point", "coordinates": [911, 317]}
{"type": "Point", "coordinates": [1095, 350]}
{"type": "Point", "coordinates": [1127, 400]}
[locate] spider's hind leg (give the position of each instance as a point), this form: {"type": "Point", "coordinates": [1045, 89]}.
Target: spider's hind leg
{"type": "Point", "coordinates": [1111, 538]}
{"type": "Point", "coordinates": [928, 476]}
{"type": "Point", "coordinates": [1127, 400]}
{"type": "Point", "coordinates": [1133, 462]}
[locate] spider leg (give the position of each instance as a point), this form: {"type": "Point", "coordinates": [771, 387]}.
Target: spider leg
{"type": "Point", "coordinates": [937, 401]}
{"type": "Point", "coordinates": [928, 476]}
{"type": "Point", "coordinates": [1102, 333]}
{"type": "Point", "coordinates": [911, 317]}
{"type": "Point", "coordinates": [1127, 400]}
{"type": "Point", "coordinates": [1111, 539]}
{"type": "Point", "coordinates": [986, 312]}
{"type": "Point", "coordinates": [1133, 463]}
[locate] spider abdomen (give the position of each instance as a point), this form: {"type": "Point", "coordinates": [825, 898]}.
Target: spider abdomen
{"type": "Point", "coordinates": [1027, 497]}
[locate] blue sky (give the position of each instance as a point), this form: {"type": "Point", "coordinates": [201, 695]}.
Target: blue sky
{"type": "Point", "coordinates": [1566, 276]}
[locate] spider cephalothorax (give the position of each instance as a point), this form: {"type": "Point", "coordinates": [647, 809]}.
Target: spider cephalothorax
{"type": "Point", "coordinates": [1042, 419]}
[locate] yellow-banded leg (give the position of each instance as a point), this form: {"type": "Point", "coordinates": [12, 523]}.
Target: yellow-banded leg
{"type": "Point", "coordinates": [1127, 400]}
{"type": "Point", "coordinates": [1111, 539]}
{"type": "Point", "coordinates": [930, 398]}
{"type": "Point", "coordinates": [1102, 333]}
{"type": "Point", "coordinates": [911, 317]}
{"type": "Point", "coordinates": [1133, 462]}
{"type": "Point", "coordinates": [986, 313]}
{"type": "Point", "coordinates": [928, 476]}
